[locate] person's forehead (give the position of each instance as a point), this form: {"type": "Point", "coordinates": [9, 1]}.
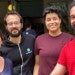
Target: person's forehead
{"type": "Point", "coordinates": [9, 17]}
{"type": "Point", "coordinates": [72, 10]}
{"type": "Point", "coordinates": [13, 15]}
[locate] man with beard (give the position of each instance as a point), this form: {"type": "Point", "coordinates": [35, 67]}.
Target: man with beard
{"type": "Point", "coordinates": [18, 47]}
{"type": "Point", "coordinates": [66, 61]}
{"type": "Point", "coordinates": [72, 18]}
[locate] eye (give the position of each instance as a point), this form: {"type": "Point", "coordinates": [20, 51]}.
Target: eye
{"type": "Point", "coordinates": [16, 23]}
{"type": "Point", "coordinates": [48, 19]}
{"type": "Point", "coordinates": [11, 23]}
{"type": "Point", "coordinates": [72, 17]}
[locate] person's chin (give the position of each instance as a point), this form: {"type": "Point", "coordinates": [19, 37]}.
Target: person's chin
{"type": "Point", "coordinates": [14, 34]}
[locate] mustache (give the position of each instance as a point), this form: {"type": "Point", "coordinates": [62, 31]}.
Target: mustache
{"type": "Point", "coordinates": [14, 29]}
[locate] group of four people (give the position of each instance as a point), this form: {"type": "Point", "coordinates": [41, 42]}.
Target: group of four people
{"type": "Point", "coordinates": [19, 50]}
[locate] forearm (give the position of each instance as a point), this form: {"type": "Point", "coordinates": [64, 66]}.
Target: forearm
{"type": "Point", "coordinates": [36, 69]}
{"type": "Point", "coordinates": [59, 70]}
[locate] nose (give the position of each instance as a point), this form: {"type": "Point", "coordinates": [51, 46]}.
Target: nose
{"type": "Point", "coordinates": [13, 25]}
{"type": "Point", "coordinates": [52, 21]}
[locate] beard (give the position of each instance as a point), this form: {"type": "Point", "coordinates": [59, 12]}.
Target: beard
{"type": "Point", "coordinates": [73, 29]}
{"type": "Point", "coordinates": [14, 34]}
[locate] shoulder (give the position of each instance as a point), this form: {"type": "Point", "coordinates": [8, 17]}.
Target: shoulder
{"type": "Point", "coordinates": [72, 42]}
{"type": "Point", "coordinates": [28, 36]}
{"type": "Point", "coordinates": [69, 45]}
{"type": "Point", "coordinates": [68, 36]}
{"type": "Point", "coordinates": [42, 36]}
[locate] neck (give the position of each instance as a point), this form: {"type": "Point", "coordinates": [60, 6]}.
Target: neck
{"type": "Point", "coordinates": [16, 40]}
{"type": "Point", "coordinates": [55, 33]}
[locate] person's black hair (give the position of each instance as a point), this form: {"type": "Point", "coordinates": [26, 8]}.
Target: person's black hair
{"type": "Point", "coordinates": [71, 5]}
{"type": "Point", "coordinates": [27, 23]}
{"type": "Point", "coordinates": [52, 9]}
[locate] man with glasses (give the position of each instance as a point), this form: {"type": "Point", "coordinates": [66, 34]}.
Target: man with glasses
{"type": "Point", "coordinates": [18, 47]}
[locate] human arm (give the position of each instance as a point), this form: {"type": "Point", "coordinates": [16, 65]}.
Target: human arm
{"type": "Point", "coordinates": [36, 66]}
{"type": "Point", "coordinates": [58, 70]}
{"type": "Point", "coordinates": [1, 64]}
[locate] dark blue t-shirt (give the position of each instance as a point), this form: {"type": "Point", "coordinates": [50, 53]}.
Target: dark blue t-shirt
{"type": "Point", "coordinates": [31, 31]}
{"type": "Point", "coordinates": [7, 68]}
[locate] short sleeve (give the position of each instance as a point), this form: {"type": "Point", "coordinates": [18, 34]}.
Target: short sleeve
{"type": "Point", "coordinates": [36, 49]}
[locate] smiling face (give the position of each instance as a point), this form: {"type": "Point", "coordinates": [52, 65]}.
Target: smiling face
{"type": "Point", "coordinates": [52, 22]}
{"type": "Point", "coordinates": [14, 25]}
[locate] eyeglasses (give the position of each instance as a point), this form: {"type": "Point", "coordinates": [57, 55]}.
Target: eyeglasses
{"type": "Point", "coordinates": [15, 23]}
